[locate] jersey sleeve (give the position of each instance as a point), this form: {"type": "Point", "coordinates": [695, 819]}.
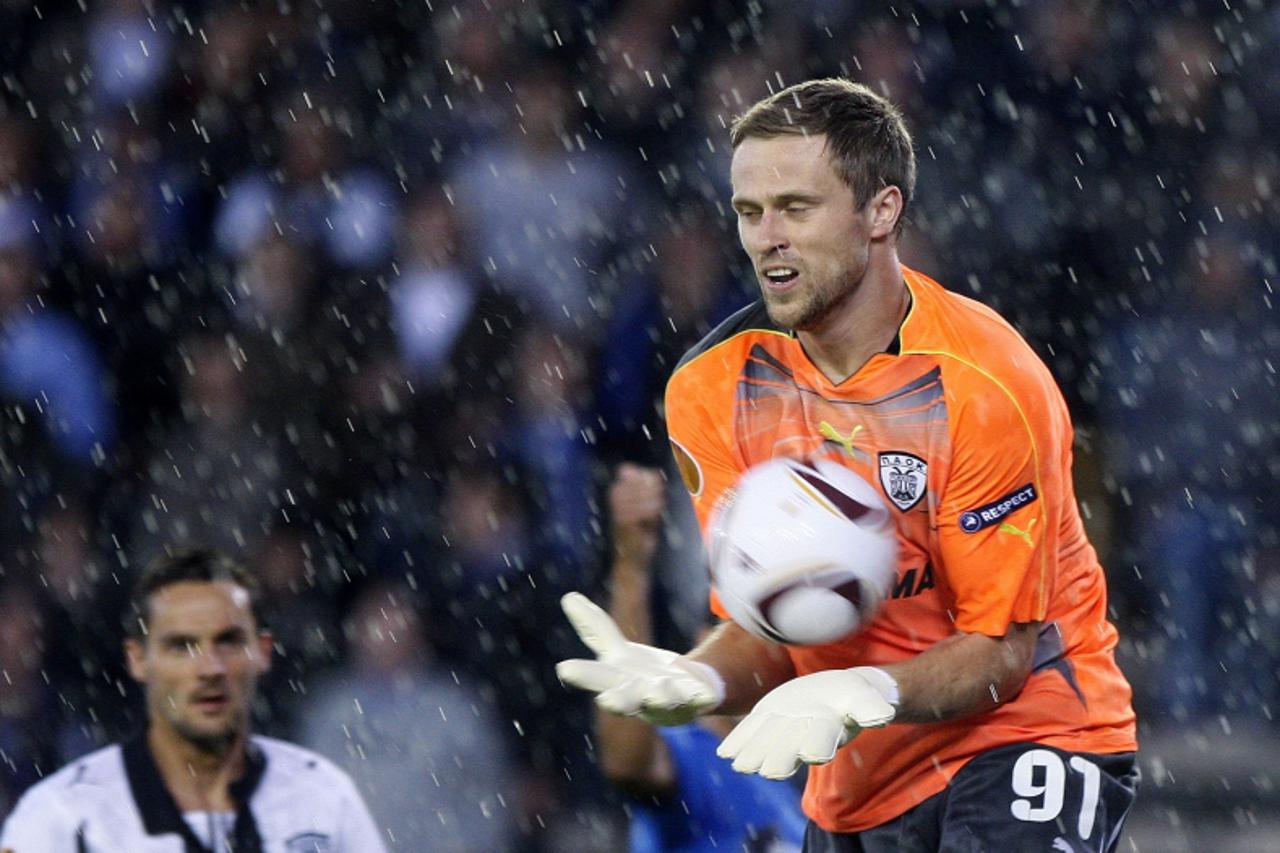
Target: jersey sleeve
{"type": "Point", "coordinates": [992, 524]}
{"type": "Point", "coordinates": [39, 824]}
{"type": "Point", "coordinates": [703, 447]}
{"type": "Point", "coordinates": [359, 831]}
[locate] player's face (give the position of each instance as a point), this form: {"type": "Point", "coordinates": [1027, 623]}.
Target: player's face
{"type": "Point", "coordinates": [800, 225]}
{"type": "Point", "coordinates": [200, 661]}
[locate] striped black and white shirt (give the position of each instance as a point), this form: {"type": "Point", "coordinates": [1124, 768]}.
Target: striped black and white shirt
{"type": "Point", "coordinates": [291, 801]}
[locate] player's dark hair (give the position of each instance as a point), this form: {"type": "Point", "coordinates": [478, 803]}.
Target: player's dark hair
{"type": "Point", "coordinates": [867, 137]}
{"type": "Point", "coordinates": [187, 564]}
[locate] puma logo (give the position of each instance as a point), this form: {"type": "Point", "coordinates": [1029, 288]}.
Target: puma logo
{"type": "Point", "coordinates": [827, 431]}
{"type": "Point", "coordinates": [1024, 535]}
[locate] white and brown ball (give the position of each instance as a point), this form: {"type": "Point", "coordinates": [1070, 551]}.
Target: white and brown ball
{"type": "Point", "coordinates": [802, 552]}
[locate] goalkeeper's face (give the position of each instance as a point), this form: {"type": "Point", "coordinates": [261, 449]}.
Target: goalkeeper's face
{"type": "Point", "coordinates": [200, 661]}
{"type": "Point", "coordinates": [800, 225]}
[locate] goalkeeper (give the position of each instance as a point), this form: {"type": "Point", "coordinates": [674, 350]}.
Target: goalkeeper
{"type": "Point", "coordinates": [982, 709]}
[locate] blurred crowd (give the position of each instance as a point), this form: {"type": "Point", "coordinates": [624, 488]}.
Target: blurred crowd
{"type": "Point", "coordinates": [374, 295]}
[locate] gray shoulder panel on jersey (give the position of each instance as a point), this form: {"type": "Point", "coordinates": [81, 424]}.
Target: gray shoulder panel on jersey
{"type": "Point", "coordinates": [752, 316]}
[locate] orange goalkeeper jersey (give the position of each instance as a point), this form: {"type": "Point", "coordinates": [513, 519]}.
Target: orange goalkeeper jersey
{"type": "Point", "coordinates": [969, 440]}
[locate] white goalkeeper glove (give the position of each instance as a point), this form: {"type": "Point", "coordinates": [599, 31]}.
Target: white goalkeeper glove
{"type": "Point", "coordinates": [808, 718]}
{"type": "Point", "coordinates": [633, 679]}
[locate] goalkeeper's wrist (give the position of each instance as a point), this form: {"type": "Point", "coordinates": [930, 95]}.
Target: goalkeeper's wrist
{"type": "Point", "coordinates": [884, 683]}
{"type": "Point", "coordinates": [710, 675]}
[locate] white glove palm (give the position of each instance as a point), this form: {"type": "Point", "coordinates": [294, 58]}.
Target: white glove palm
{"type": "Point", "coordinates": [634, 679]}
{"type": "Point", "coordinates": [807, 719]}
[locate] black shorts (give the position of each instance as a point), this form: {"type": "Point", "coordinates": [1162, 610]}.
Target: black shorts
{"type": "Point", "coordinates": [1019, 797]}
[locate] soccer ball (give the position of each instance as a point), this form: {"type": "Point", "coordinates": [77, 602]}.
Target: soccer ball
{"type": "Point", "coordinates": [802, 552]}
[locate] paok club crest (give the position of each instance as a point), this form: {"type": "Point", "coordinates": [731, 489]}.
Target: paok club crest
{"type": "Point", "coordinates": [904, 478]}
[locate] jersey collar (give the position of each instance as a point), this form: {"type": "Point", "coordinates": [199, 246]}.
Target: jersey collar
{"type": "Point", "coordinates": [160, 813]}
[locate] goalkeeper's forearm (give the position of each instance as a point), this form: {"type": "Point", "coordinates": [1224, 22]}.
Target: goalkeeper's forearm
{"type": "Point", "coordinates": [963, 675]}
{"type": "Point", "coordinates": [750, 666]}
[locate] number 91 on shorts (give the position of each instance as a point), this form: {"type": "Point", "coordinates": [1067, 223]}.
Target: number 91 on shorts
{"type": "Point", "coordinates": [1032, 797]}
{"type": "Point", "coordinates": [1018, 797]}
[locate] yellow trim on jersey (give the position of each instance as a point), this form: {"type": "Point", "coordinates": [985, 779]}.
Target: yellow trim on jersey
{"type": "Point", "coordinates": [1026, 424]}
{"type": "Point", "coordinates": [907, 272]}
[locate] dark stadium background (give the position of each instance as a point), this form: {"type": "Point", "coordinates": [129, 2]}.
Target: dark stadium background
{"type": "Point", "coordinates": [373, 294]}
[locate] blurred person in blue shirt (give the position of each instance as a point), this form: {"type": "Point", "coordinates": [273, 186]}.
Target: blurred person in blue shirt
{"type": "Point", "coordinates": [29, 705]}
{"type": "Point", "coordinates": [685, 287]}
{"type": "Point", "coordinates": [549, 434]}
{"type": "Point", "coordinates": [423, 742]}
{"type": "Point", "coordinates": [547, 202]}
{"type": "Point", "coordinates": [346, 210]}
{"type": "Point", "coordinates": [24, 210]}
{"type": "Point", "coordinates": [217, 476]}
{"type": "Point", "coordinates": [1195, 448]}
{"type": "Point", "coordinates": [49, 364]}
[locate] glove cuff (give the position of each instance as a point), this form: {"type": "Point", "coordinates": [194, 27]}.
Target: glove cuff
{"type": "Point", "coordinates": [708, 674]}
{"type": "Point", "coordinates": [884, 683]}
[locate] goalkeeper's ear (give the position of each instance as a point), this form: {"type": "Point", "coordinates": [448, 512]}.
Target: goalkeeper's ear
{"type": "Point", "coordinates": [883, 211]}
